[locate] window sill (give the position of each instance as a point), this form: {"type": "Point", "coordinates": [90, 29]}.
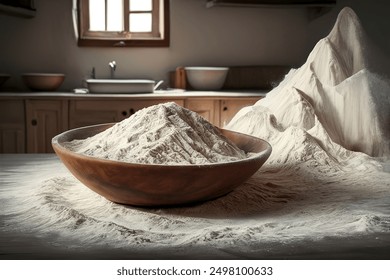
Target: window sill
{"type": "Point", "coordinates": [124, 43]}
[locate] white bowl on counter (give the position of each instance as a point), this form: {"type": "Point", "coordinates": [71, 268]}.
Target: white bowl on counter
{"type": "Point", "coordinates": [120, 85]}
{"type": "Point", "coordinates": [206, 78]}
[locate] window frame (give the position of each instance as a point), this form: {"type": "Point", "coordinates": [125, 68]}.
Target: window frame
{"type": "Point", "coordinates": [159, 37]}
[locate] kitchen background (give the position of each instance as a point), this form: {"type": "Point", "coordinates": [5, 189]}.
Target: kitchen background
{"type": "Point", "coordinates": [218, 36]}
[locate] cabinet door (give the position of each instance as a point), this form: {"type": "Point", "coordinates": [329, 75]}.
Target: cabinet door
{"type": "Point", "coordinates": [45, 119]}
{"type": "Point", "coordinates": [230, 107]}
{"type": "Point", "coordinates": [207, 108]}
{"type": "Point", "coordinates": [91, 112]}
{"type": "Point", "coordinates": [12, 126]}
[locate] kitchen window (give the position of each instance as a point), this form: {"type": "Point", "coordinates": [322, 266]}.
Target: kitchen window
{"type": "Point", "coordinates": [123, 23]}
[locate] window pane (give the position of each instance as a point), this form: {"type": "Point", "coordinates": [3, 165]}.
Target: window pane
{"type": "Point", "coordinates": [97, 11]}
{"type": "Point", "coordinates": [141, 27]}
{"type": "Point", "coordinates": [140, 22]}
{"type": "Point", "coordinates": [140, 5]}
{"type": "Point", "coordinates": [114, 15]}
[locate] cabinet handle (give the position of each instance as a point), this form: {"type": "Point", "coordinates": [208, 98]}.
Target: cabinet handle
{"type": "Point", "coordinates": [225, 108]}
{"type": "Point", "coordinates": [131, 111]}
{"type": "Point", "coordinates": [34, 122]}
{"type": "Point", "coordinates": [124, 113]}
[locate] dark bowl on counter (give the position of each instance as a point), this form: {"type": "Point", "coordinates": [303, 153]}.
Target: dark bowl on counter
{"type": "Point", "coordinates": [43, 81]}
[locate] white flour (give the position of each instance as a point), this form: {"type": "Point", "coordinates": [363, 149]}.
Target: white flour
{"type": "Point", "coordinates": [332, 99]}
{"type": "Point", "coordinates": [161, 134]}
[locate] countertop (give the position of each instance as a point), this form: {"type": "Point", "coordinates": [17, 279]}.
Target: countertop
{"type": "Point", "coordinates": [157, 94]}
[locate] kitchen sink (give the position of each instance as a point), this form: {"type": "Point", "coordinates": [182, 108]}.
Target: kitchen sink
{"type": "Point", "coordinates": [120, 85]}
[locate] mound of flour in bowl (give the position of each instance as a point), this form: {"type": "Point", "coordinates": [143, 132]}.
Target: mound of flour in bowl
{"type": "Point", "coordinates": [161, 134]}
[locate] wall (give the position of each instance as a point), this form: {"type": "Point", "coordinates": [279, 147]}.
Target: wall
{"type": "Point", "coordinates": [199, 36]}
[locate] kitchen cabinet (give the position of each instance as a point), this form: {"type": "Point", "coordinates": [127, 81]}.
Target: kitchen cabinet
{"type": "Point", "coordinates": [90, 112]}
{"type": "Point", "coordinates": [44, 120]}
{"type": "Point", "coordinates": [12, 126]}
{"type": "Point", "coordinates": [207, 108]}
{"type": "Point", "coordinates": [230, 107]}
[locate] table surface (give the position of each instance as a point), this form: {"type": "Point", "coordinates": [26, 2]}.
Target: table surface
{"type": "Point", "coordinates": [18, 171]}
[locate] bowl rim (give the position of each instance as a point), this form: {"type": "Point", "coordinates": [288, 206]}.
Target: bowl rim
{"type": "Point", "coordinates": [252, 157]}
{"type": "Point", "coordinates": [120, 81]}
{"type": "Point", "coordinates": [206, 68]}
{"type": "Point", "coordinates": [43, 75]}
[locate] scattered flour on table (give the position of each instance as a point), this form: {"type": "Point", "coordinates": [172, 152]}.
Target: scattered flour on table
{"type": "Point", "coordinates": [161, 134]}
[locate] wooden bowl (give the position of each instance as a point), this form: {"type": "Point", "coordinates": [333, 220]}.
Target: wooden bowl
{"type": "Point", "coordinates": [43, 81]}
{"type": "Point", "coordinates": [157, 184]}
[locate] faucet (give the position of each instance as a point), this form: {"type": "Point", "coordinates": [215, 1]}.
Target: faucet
{"type": "Point", "coordinates": [112, 65]}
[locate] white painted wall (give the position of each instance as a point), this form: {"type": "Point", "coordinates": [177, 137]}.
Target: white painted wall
{"type": "Point", "coordinates": [199, 36]}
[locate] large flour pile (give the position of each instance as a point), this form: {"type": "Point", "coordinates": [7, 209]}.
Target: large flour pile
{"type": "Point", "coordinates": [328, 176]}
{"type": "Point", "coordinates": [332, 99]}
{"type": "Point", "coordinates": [161, 134]}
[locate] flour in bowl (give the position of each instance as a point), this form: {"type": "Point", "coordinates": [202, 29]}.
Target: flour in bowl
{"type": "Point", "coordinates": [161, 134]}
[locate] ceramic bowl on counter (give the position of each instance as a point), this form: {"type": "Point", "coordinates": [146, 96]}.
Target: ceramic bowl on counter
{"type": "Point", "coordinates": [160, 184]}
{"type": "Point", "coordinates": [206, 78]}
{"type": "Point", "coordinates": [43, 81]}
{"type": "Point", "coordinates": [120, 85]}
